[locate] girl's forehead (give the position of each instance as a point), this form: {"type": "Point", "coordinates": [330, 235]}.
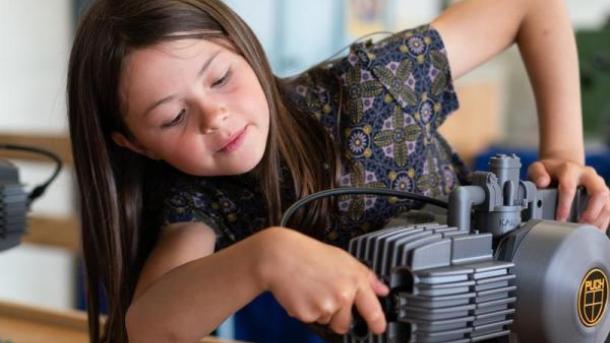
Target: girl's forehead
{"type": "Point", "coordinates": [157, 70]}
{"type": "Point", "coordinates": [172, 53]}
{"type": "Point", "coordinates": [177, 49]}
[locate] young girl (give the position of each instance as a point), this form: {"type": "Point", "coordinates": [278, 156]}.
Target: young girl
{"type": "Point", "coordinates": [187, 150]}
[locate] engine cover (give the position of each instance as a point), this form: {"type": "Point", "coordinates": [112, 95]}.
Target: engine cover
{"type": "Point", "coordinates": [562, 278]}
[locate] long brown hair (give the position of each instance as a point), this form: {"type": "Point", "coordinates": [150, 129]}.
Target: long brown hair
{"type": "Point", "coordinates": [119, 201]}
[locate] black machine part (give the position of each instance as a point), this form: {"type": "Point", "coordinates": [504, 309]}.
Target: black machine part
{"type": "Point", "coordinates": [13, 206]}
{"type": "Point", "coordinates": [502, 267]}
{"type": "Point", "coordinates": [14, 201]}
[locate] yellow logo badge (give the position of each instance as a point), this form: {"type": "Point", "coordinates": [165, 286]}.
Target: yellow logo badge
{"type": "Point", "coordinates": [593, 297]}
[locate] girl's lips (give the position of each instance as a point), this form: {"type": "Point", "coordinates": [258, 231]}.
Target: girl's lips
{"type": "Point", "coordinates": [235, 141]}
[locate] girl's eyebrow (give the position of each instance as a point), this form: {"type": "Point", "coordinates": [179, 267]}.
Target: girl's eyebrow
{"type": "Point", "coordinates": [168, 98]}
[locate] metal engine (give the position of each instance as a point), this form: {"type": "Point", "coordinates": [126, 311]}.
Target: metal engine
{"type": "Point", "coordinates": [495, 267]}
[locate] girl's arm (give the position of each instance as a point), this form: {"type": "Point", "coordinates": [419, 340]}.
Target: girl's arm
{"type": "Point", "coordinates": [476, 30]}
{"type": "Point", "coordinates": [185, 290]}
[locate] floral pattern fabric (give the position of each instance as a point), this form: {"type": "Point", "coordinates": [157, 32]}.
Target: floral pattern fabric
{"type": "Point", "coordinates": [382, 104]}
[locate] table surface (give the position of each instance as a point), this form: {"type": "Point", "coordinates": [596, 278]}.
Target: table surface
{"type": "Point", "coordinates": [20, 323]}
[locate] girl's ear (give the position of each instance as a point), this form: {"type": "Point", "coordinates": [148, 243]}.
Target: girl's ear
{"type": "Point", "coordinates": [122, 141]}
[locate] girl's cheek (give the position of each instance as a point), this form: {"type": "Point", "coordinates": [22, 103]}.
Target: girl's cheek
{"type": "Point", "coordinates": [170, 142]}
{"type": "Point", "coordinates": [233, 86]}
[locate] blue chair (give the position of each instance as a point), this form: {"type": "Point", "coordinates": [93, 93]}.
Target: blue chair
{"type": "Point", "coordinates": [600, 160]}
{"type": "Point", "coordinates": [265, 321]}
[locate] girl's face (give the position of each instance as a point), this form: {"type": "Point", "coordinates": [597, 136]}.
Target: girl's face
{"type": "Point", "coordinates": [195, 104]}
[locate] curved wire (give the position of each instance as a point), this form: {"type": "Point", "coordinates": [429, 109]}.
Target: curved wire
{"type": "Point", "coordinates": [40, 189]}
{"type": "Point", "coordinates": [357, 190]}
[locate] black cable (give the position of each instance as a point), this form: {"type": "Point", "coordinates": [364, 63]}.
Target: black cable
{"type": "Point", "coordinates": [358, 190]}
{"type": "Point", "coordinates": [40, 189]}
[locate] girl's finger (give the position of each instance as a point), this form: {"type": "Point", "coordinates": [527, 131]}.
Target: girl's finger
{"type": "Point", "coordinates": [325, 318]}
{"type": "Point", "coordinates": [598, 197]}
{"type": "Point", "coordinates": [341, 320]}
{"type": "Point", "coordinates": [568, 180]}
{"type": "Point", "coordinates": [369, 308]}
{"type": "Point", "coordinates": [327, 309]}
{"type": "Point", "coordinates": [380, 288]}
{"type": "Point", "coordinates": [538, 174]}
{"type": "Point", "coordinates": [603, 220]}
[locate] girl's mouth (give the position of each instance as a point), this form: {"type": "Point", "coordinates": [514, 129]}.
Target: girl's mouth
{"type": "Point", "coordinates": [234, 141]}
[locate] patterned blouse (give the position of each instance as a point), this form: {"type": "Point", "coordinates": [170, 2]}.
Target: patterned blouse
{"type": "Point", "coordinates": [383, 109]}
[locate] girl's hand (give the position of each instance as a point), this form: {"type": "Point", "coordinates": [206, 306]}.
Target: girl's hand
{"type": "Point", "coordinates": [570, 175]}
{"type": "Point", "coordinates": [319, 283]}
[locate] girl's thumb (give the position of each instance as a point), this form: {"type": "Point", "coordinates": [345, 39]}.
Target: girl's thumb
{"type": "Point", "coordinates": [538, 174]}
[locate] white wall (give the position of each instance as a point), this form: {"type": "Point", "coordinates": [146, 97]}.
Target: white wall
{"type": "Point", "coordinates": [285, 30]}
{"type": "Point", "coordinates": [520, 112]}
{"type": "Point", "coordinates": [37, 275]}
{"type": "Point", "coordinates": [589, 14]}
{"type": "Point", "coordinates": [34, 36]}
{"type": "Point", "coordinates": [34, 43]}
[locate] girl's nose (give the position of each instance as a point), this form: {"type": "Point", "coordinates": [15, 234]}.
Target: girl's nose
{"type": "Point", "coordinates": [213, 118]}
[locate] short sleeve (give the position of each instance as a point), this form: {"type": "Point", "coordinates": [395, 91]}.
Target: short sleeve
{"type": "Point", "coordinates": [316, 91]}
{"type": "Point", "coordinates": [188, 205]}
{"type": "Point", "coordinates": [182, 207]}
{"type": "Point", "coordinates": [411, 66]}
{"type": "Point", "coordinates": [226, 204]}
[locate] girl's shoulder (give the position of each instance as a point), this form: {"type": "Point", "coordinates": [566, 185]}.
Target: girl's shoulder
{"type": "Point", "coordinates": [395, 55]}
{"type": "Point", "coordinates": [226, 204]}
{"type": "Point", "coordinates": [416, 53]}
{"type": "Point", "coordinates": [370, 50]}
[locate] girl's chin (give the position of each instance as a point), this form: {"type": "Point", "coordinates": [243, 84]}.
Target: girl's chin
{"type": "Point", "coordinates": [246, 167]}
{"type": "Point", "coordinates": [241, 166]}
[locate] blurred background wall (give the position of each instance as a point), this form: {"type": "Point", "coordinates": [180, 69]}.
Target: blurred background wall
{"type": "Point", "coordinates": [35, 36]}
{"type": "Point", "coordinates": [34, 43]}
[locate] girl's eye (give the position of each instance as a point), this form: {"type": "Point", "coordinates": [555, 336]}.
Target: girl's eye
{"type": "Point", "coordinates": [177, 120]}
{"type": "Point", "coordinates": [223, 80]}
